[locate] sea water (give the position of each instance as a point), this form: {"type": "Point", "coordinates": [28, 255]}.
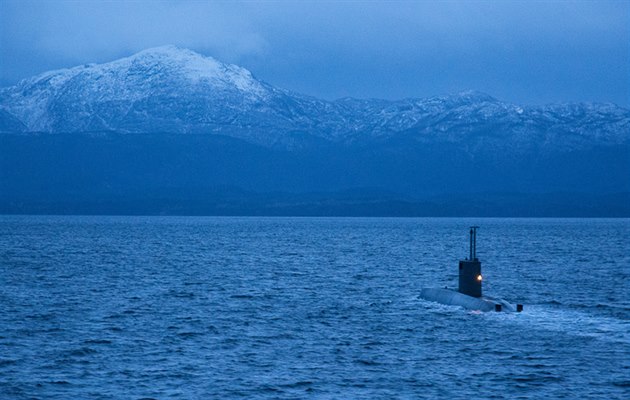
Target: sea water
{"type": "Point", "coordinates": [324, 308]}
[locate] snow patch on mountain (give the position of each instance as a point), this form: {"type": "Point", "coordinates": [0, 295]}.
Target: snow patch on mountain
{"type": "Point", "coordinates": [170, 89]}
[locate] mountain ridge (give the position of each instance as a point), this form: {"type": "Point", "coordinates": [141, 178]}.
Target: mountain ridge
{"type": "Point", "coordinates": [158, 132]}
{"type": "Point", "coordinates": [169, 89]}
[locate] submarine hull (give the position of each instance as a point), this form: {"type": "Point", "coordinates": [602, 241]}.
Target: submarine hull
{"type": "Point", "coordinates": [455, 298]}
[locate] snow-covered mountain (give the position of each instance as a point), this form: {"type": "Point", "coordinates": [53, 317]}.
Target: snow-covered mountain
{"type": "Point", "coordinates": [173, 90]}
{"type": "Point", "coordinates": [168, 130]}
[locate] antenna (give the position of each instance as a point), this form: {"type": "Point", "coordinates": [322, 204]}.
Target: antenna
{"type": "Point", "coordinates": [473, 243]}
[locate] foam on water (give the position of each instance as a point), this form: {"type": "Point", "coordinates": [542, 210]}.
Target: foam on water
{"type": "Point", "coordinates": [571, 322]}
{"type": "Point", "coordinates": [544, 317]}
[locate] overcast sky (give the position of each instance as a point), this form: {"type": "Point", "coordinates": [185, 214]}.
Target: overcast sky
{"type": "Point", "coordinates": [525, 52]}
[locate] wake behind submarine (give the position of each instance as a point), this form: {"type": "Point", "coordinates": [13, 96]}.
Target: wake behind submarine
{"type": "Point", "coordinates": [469, 294]}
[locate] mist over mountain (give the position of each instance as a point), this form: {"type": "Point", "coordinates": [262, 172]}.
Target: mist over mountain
{"type": "Point", "coordinates": [168, 130]}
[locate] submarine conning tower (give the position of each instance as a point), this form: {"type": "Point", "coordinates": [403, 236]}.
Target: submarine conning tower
{"type": "Point", "coordinates": [470, 269]}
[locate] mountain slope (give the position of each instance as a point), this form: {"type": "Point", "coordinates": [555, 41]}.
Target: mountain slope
{"type": "Point", "coordinates": [170, 131]}
{"type": "Point", "coordinates": [197, 174]}
{"type": "Point", "coordinates": [168, 89]}
{"type": "Point", "coordinates": [164, 89]}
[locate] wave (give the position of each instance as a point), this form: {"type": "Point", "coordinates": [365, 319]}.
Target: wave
{"type": "Point", "coordinates": [572, 322]}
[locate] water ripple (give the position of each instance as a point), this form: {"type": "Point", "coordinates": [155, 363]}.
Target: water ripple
{"type": "Point", "coordinates": [274, 308]}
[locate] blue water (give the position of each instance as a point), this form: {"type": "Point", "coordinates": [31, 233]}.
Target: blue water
{"type": "Point", "coordinates": [279, 308]}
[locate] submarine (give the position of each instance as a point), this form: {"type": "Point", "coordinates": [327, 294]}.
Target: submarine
{"type": "Point", "coordinates": [469, 294]}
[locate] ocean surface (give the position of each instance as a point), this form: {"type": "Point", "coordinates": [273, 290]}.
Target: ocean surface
{"type": "Point", "coordinates": [323, 308]}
